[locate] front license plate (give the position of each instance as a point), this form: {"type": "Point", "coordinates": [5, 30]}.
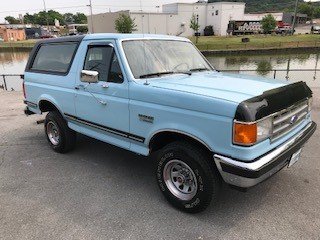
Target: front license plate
{"type": "Point", "coordinates": [295, 157]}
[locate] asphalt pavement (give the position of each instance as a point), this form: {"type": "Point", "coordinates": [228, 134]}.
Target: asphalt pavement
{"type": "Point", "coordinates": [102, 192]}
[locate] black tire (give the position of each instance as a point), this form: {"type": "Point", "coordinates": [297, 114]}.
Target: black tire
{"type": "Point", "coordinates": [67, 137]}
{"type": "Point", "coordinates": [208, 179]}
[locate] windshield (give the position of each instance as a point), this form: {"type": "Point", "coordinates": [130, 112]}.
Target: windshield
{"type": "Point", "coordinates": [149, 58]}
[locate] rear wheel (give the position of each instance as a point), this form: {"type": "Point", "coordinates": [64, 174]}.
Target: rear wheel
{"type": "Point", "coordinates": [186, 178]}
{"type": "Point", "coordinates": [60, 137]}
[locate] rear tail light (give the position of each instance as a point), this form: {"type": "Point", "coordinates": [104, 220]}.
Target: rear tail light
{"type": "Point", "coordinates": [24, 90]}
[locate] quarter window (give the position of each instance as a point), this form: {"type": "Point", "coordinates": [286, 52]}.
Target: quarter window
{"type": "Point", "coordinates": [104, 60]}
{"type": "Point", "coordinates": [55, 58]}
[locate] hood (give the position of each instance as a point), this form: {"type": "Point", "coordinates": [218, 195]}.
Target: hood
{"type": "Point", "coordinates": [230, 87]}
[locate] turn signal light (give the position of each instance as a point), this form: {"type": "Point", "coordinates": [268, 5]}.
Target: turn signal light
{"type": "Point", "coordinates": [245, 134]}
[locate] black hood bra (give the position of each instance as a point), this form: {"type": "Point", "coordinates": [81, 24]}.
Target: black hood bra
{"type": "Point", "coordinates": [272, 101]}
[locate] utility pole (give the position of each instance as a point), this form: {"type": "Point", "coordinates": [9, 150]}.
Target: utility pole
{"type": "Point", "coordinates": [47, 19]}
{"type": "Point", "coordinates": [91, 17]}
{"type": "Point", "coordinates": [197, 33]}
{"type": "Point", "coordinates": [295, 16]}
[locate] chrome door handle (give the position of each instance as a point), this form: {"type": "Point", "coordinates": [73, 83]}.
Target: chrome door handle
{"type": "Point", "coordinates": [105, 85]}
{"type": "Point", "coordinates": [80, 86]}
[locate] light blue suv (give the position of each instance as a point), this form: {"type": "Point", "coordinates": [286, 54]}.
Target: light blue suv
{"type": "Point", "coordinates": [158, 94]}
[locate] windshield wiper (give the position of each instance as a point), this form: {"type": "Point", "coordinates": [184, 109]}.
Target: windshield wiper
{"type": "Point", "coordinates": [198, 69]}
{"type": "Point", "coordinates": [163, 73]}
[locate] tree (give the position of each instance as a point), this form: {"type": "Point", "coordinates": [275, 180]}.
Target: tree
{"type": "Point", "coordinates": [194, 23]}
{"type": "Point", "coordinates": [307, 8]}
{"type": "Point", "coordinates": [29, 19]}
{"type": "Point", "coordinates": [82, 29]}
{"type": "Point", "coordinates": [125, 24]}
{"type": "Point", "coordinates": [68, 17]}
{"type": "Point", "coordinates": [268, 23]}
{"type": "Point", "coordinates": [80, 18]}
{"type": "Point", "coordinates": [12, 20]}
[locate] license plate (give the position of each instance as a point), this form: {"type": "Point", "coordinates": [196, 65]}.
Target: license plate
{"type": "Point", "coordinates": [295, 157]}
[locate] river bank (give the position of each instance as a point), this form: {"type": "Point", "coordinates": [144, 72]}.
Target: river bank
{"type": "Point", "coordinates": [265, 43]}
{"type": "Point", "coordinates": [17, 46]}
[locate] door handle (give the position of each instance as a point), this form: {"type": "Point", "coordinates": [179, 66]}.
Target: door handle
{"type": "Point", "coordinates": [105, 85]}
{"type": "Point", "coordinates": [80, 86]}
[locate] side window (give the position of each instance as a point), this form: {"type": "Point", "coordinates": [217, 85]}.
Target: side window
{"type": "Point", "coordinates": [103, 60]}
{"type": "Point", "coordinates": [115, 71]}
{"type": "Point", "coordinates": [55, 58]}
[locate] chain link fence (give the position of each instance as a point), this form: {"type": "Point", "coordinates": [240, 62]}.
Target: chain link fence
{"type": "Point", "coordinates": [310, 76]}
{"type": "Point", "coordinates": [13, 82]}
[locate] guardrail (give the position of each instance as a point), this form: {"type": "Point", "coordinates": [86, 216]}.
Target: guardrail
{"type": "Point", "coordinates": [262, 72]}
{"type": "Point", "coordinates": [4, 78]}
{"type": "Point", "coordinates": [257, 45]}
{"type": "Point", "coordinates": [274, 71]}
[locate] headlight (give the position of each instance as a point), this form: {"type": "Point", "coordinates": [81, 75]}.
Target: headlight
{"type": "Point", "coordinates": [264, 128]}
{"type": "Point", "coordinates": [310, 101]}
{"type": "Point", "coordinates": [248, 134]}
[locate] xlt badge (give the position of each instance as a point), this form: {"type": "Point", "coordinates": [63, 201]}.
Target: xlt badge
{"type": "Point", "coordinates": [146, 118]}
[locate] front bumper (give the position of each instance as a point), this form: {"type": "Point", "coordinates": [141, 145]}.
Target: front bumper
{"type": "Point", "coordinates": [247, 174]}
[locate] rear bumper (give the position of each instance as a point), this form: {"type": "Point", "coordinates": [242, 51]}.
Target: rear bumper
{"type": "Point", "coordinates": [27, 111]}
{"type": "Point", "coordinates": [247, 174]}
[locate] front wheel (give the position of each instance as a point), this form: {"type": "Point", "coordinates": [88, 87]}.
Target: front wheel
{"type": "Point", "coordinates": [186, 178]}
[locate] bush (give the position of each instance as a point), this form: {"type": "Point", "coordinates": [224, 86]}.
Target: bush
{"type": "Point", "coordinates": [125, 24]}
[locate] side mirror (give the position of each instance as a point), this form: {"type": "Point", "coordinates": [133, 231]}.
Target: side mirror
{"type": "Point", "coordinates": [89, 76]}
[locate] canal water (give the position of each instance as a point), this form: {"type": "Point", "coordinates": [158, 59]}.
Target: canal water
{"type": "Point", "coordinates": [288, 66]}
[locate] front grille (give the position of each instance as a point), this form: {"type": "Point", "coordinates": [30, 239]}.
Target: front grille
{"type": "Point", "coordinates": [288, 119]}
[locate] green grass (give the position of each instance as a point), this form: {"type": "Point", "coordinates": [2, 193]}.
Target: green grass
{"type": "Point", "coordinates": [256, 42]}
{"type": "Point", "coordinates": [18, 44]}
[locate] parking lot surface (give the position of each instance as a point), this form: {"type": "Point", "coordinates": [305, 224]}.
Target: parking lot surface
{"type": "Point", "coordinates": [99, 191]}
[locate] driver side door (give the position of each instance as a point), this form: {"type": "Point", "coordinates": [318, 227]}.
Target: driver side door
{"type": "Point", "coordinates": [102, 108]}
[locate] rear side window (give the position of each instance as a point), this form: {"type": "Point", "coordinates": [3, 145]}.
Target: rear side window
{"type": "Point", "coordinates": [54, 58]}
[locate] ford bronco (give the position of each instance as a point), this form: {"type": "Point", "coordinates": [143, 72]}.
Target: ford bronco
{"type": "Point", "coordinates": [158, 94]}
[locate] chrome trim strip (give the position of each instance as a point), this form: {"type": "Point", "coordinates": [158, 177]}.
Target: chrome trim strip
{"type": "Point", "coordinates": [265, 160]}
{"type": "Point", "coordinates": [106, 129]}
{"type": "Point", "coordinates": [290, 114]}
{"type": "Point", "coordinates": [30, 104]}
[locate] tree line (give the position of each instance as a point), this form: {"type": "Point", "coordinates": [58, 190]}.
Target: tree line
{"type": "Point", "coordinates": [44, 18]}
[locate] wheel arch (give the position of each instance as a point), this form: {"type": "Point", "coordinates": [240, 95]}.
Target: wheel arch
{"type": "Point", "coordinates": [47, 104]}
{"type": "Point", "coordinates": [162, 137]}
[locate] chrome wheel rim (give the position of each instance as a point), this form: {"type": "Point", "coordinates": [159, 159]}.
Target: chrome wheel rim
{"type": "Point", "coordinates": [53, 133]}
{"type": "Point", "coordinates": [180, 179]}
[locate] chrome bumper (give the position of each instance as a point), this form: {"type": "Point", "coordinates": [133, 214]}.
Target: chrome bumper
{"type": "Point", "coordinates": [247, 174]}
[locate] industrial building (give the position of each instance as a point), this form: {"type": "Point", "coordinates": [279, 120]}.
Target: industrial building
{"type": "Point", "coordinates": [175, 18]}
{"type": "Point", "coordinates": [10, 34]}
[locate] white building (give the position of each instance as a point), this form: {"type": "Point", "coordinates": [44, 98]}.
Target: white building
{"type": "Point", "coordinates": [260, 16]}
{"type": "Point", "coordinates": [175, 18]}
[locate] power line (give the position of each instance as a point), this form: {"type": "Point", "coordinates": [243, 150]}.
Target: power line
{"type": "Point", "coordinates": [40, 9]}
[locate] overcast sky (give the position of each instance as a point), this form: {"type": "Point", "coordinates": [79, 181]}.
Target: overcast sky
{"type": "Point", "coordinates": [16, 7]}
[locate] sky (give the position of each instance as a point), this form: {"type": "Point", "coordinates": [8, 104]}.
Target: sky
{"type": "Point", "coordinates": [16, 7]}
